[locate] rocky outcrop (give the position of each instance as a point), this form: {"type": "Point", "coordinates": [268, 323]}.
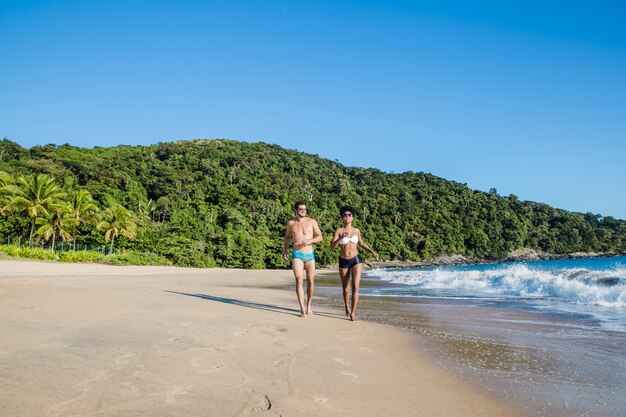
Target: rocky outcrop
{"type": "Point", "coordinates": [450, 260]}
{"type": "Point", "coordinates": [525, 254]}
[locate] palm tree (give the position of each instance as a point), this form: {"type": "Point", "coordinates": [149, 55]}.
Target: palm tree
{"type": "Point", "coordinates": [117, 221]}
{"type": "Point", "coordinates": [34, 195]}
{"type": "Point", "coordinates": [5, 181]}
{"type": "Point", "coordinates": [83, 208]}
{"type": "Point", "coordinates": [59, 223]}
{"type": "Point", "coordinates": [145, 211]}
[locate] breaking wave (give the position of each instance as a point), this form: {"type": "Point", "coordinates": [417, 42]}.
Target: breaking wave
{"type": "Point", "coordinates": [602, 287]}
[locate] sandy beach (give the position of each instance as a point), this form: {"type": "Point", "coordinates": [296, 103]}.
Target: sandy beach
{"type": "Point", "coordinates": [97, 340]}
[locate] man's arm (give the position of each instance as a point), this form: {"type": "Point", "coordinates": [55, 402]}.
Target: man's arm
{"type": "Point", "coordinates": [317, 233]}
{"type": "Point", "coordinates": [287, 241]}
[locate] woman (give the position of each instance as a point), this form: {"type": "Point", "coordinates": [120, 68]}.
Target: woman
{"type": "Point", "coordinates": [350, 262]}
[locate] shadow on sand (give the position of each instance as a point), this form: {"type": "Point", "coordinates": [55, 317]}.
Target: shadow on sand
{"type": "Point", "coordinates": [249, 304]}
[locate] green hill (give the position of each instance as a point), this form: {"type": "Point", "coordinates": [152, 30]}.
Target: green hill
{"type": "Point", "coordinates": [225, 203]}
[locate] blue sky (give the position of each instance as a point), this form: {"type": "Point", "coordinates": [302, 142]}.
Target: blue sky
{"type": "Point", "coordinates": [528, 97]}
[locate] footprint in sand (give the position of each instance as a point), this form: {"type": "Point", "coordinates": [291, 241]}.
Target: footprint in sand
{"type": "Point", "coordinates": [86, 385]}
{"type": "Point", "coordinates": [355, 377]}
{"type": "Point", "coordinates": [341, 361]}
{"type": "Point", "coordinates": [346, 335]}
{"type": "Point", "coordinates": [366, 349]}
{"type": "Point", "coordinates": [349, 339]}
{"type": "Point", "coordinates": [258, 402]}
{"type": "Point", "coordinates": [129, 389]}
{"type": "Point", "coordinates": [211, 348]}
{"type": "Point", "coordinates": [213, 368]}
{"type": "Point", "coordinates": [124, 359]}
{"type": "Point", "coordinates": [323, 401]}
{"type": "Point", "coordinates": [176, 391]}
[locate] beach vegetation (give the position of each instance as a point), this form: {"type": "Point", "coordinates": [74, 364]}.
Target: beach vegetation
{"type": "Point", "coordinates": [135, 258]}
{"type": "Point", "coordinates": [116, 221]}
{"type": "Point", "coordinates": [5, 181]}
{"type": "Point", "coordinates": [58, 223]}
{"type": "Point", "coordinates": [28, 252]}
{"type": "Point", "coordinates": [82, 256]}
{"type": "Point", "coordinates": [225, 203]}
{"type": "Point", "coordinates": [35, 195]}
{"type": "Point", "coordinates": [83, 210]}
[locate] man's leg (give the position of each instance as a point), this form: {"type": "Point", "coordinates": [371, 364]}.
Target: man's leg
{"type": "Point", "coordinates": [298, 272]}
{"type": "Point", "coordinates": [310, 284]}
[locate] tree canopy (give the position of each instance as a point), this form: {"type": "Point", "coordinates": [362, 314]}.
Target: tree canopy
{"type": "Point", "coordinates": [226, 203]}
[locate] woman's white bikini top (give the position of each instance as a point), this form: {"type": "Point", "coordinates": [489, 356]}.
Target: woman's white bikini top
{"type": "Point", "coordinates": [352, 239]}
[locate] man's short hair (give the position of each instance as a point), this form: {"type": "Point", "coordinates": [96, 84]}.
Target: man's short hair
{"type": "Point", "coordinates": [298, 204]}
{"type": "Point", "coordinates": [347, 208]}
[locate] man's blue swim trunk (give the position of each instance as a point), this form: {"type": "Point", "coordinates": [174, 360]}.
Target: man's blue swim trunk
{"type": "Point", "coordinates": [303, 256]}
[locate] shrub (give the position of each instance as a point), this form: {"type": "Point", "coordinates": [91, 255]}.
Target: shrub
{"type": "Point", "coordinates": [81, 256]}
{"type": "Point", "coordinates": [31, 253]}
{"type": "Point", "coordinates": [136, 258]}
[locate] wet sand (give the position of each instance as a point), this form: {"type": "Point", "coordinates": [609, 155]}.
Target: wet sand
{"type": "Point", "coordinates": [538, 363]}
{"type": "Point", "coordinates": [95, 340]}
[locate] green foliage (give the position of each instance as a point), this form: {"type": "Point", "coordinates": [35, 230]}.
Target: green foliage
{"type": "Point", "coordinates": [81, 256]}
{"type": "Point", "coordinates": [126, 258]}
{"type": "Point", "coordinates": [116, 221]}
{"type": "Point", "coordinates": [225, 203]}
{"type": "Point", "coordinates": [136, 258]}
{"type": "Point", "coordinates": [30, 253]}
{"type": "Point", "coordinates": [36, 195]}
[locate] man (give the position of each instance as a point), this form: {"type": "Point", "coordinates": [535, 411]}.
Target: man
{"type": "Point", "coordinates": [304, 232]}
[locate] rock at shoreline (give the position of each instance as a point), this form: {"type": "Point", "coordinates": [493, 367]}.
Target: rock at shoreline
{"type": "Point", "coordinates": [451, 260]}
{"type": "Point", "coordinates": [525, 254]}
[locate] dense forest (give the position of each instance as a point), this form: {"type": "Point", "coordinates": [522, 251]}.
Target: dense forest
{"type": "Point", "coordinates": [225, 203]}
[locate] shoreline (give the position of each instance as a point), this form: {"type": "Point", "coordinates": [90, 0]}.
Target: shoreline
{"type": "Point", "coordinates": [90, 339]}
{"type": "Point", "coordinates": [521, 255]}
{"type": "Point", "coordinates": [539, 361]}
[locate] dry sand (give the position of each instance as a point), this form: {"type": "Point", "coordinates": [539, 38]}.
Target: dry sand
{"type": "Point", "coordinates": [96, 340]}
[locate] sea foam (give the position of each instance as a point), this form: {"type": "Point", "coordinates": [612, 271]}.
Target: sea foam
{"type": "Point", "coordinates": [603, 287]}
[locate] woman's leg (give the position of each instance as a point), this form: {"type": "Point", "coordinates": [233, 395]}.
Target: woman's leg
{"type": "Point", "coordinates": [356, 284]}
{"type": "Point", "coordinates": [344, 274]}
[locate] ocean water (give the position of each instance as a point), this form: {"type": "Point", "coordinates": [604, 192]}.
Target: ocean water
{"type": "Point", "coordinates": [595, 287]}
{"type": "Point", "coordinates": [546, 337]}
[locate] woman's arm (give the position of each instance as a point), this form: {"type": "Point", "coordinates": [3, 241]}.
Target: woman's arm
{"type": "Point", "coordinates": [336, 238]}
{"type": "Point", "coordinates": [367, 248]}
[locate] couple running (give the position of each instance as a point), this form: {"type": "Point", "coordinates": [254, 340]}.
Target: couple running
{"type": "Point", "coordinates": [304, 231]}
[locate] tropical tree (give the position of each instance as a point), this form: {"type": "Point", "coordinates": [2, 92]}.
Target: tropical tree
{"type": "Point", "coordinates": [83, 209]}
{"type": "Point", "coordinates": [34, 195]}
{"type": "Point", "coordinates": [116, 221]}
{"type": "Point", "coordinates": [5, 181]}
{"type": "Point", "coordinates": [59, 223]}
{"type": "Point", "coordinates": [146, 210]}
